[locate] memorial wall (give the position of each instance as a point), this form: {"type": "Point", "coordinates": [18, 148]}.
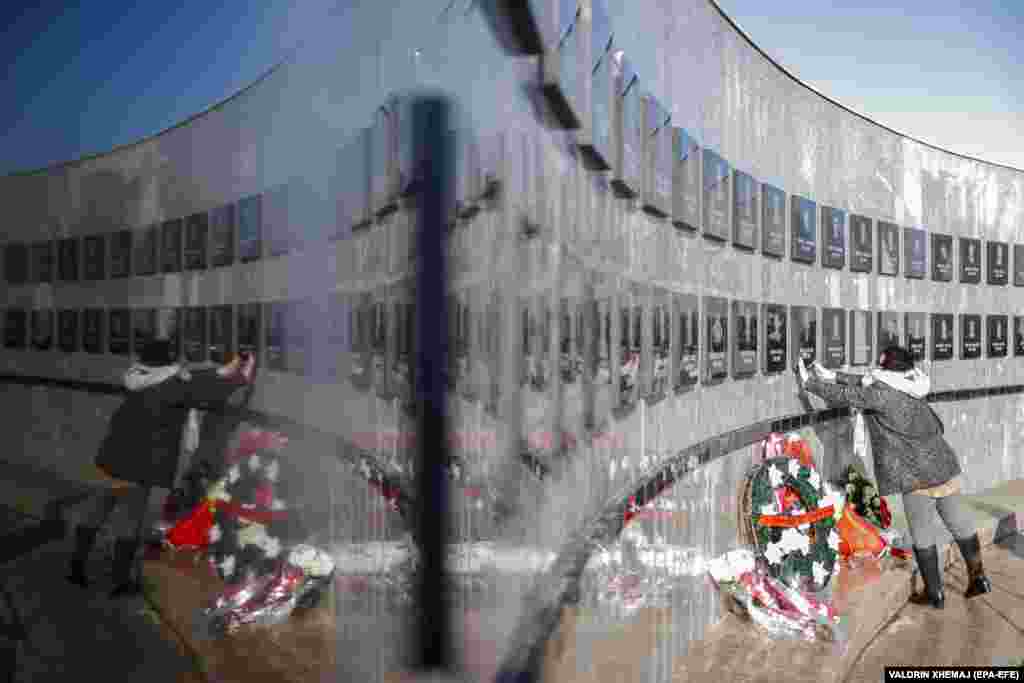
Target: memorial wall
{"type": "Point", "coordinates": [653, 222]}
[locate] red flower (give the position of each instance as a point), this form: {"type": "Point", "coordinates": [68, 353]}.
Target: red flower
{"type": "Point", "coordinates": [264, 496]}
{"type": "Point", "coordinates": [883, 511]}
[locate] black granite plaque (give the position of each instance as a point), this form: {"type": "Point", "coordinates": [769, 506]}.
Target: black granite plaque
{"type": "Point", "coordinates": [42, 329]}
{"type": "Point", "coordinates": [661, 344]}
{"type": "Point", "coordinates": [658, 160]}
{"type": "Point", "coordinates": [889, 332]}
{"type": "Point", "coordinates": [222, 236]}
{"type": "Point", "coordinates": [773, 221]}
{"type": "Point", "coordinates": [170, 246]}
{"type": "Point", "coordinates": [861, 338]}
{"type": "Point", "coordinates": [805, 333]}
{"type": "Point", "coordinates": [888, 248]}
{"type": "Point", "coordinates": [144, 328]}
{"type": "Point", "coordinates": [686, 187]}
{"type": "Point", "coordinates": [94, 257]}
{"type": "Point", "coordinates": [833, 237]}
{"type": "Point", "coordinates": [196, 228]}
{"type": "Point", "coordinates": [745, 326]}
{"type": "Point", "coordinates": [942, 336]}
{"type": "Point", "coordinates": [119, 323]}
{"type": "Point", "coordinates": [970, 336]}
{"type": "Point", "coordinates": [833, 337]}
{"type": "Point", "coordinates": [775, 338]}
{"type": "Point", "coordinates": [686, 315]}
{"type": "Point", "coordinates": [804, 242]}
{"type": "Point", "coordinates": [42, 262]}
{"type": "Point", "coordinates": [120, 244]}
{"type": "Point", "coordinates": [861, 244]}
{"type": "Point", "coordinates": [1018, 335]}
{"type": "Point", "coordinates": [914, 241]}
{"type": "Point", "coordinates": [146, 251]}
{"type": "Point", "coordinates": [338, 342]}
{"type": "Point", "coordinates": [716, 358]}
{"type": "Point", "coordinates": [997, 335]}
{"type": "Point", "coordinates": [970, 260]}
{"type": "Point", "coordinates": [998, 261]}
{"type": "Point", "coordinates": [383, 165]}
{"type": "Point", "coordinates": [942, 257]}
{"type": "Point", "coordinates": [276, 336]}
{"type": "Point", "coordinates": [631, 339]}
{"type": "Point", "coordinates": [598, 154]}
{"type": "Point", "coordinates": [915, 326]}
{"type": "Point", "coordinates": [92, 330]}
{"type": "Point", "coordinates": [1018, 265]}
{"type": "Point", "coordinates": [67, 260]}
{"type": "Point", "coordinates": [250, 228]}
{"type": "Point", "coordinates": [15, 328]}
{"type": "Point", "coordinates": [299, 317]}
{"type": "Point", "coordinates": [716, 196]}
{"type": "Point", "coordinates": [744, 211]}
{"type": "Point", "coordinates": [626, 171]}
{"type": "Point", "coordinates": [169, 324]}
{"type": "Point", "coordinates": [67, 330]}
{"type": "Point", "coordinates": [16, 263]}
{"type": "Point", "coordinates": [250, 327]}
{"type": "Point", "coordinates": [221, 324]}
{"type": "Point", "coordinates": [194, 336]}
{"type": "Point", "coordinates": [276, 229]}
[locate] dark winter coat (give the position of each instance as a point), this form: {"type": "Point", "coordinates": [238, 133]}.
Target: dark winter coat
{"type": "Point", "coordinates": [143, 441]}
{"type": "Point", "coordinates": [907, 445]}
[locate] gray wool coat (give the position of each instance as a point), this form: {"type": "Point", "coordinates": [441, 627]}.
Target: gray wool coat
{"type": "Point", "coordinates": [907, 441]}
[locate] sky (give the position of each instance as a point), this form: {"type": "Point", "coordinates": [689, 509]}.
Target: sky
{"type": "Point", "coordinates": [80, 80]}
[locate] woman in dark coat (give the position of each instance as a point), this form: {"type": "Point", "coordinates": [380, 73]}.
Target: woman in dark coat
{"type": "Point", "coordinates": [911, 458]}
{"type": "Point", "coordinates": [142, 447]}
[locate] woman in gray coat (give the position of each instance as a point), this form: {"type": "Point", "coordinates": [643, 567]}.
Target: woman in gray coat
{"type": "Point", "coordinates": [911, 458]}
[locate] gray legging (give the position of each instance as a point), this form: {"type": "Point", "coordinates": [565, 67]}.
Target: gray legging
{"type": "Point", "coordinates": [133, 503]}
{"type": "Point", "coordinates": [924, 522]}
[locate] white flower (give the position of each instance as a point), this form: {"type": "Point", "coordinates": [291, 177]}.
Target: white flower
{"type": "Point", "coordinates": [851, 489]}
{"type": "Point", "coordinates": [833, 498]}
{"type": "Point", "coordinates": [253, 534]}
{"type": "Point", "coordinates": [792, 540]}
{"type": "Point", "coordinates": [271, 472]}
{"type": "Point", "coordinates": [774, 476]}
{"type": "Point", "coordinates": [823, 610]}
{"type": "Point", "coordinates": [233, 474]}
{"type": "Point", "coordinates": [771, 509]}
{"type": "Point", "coordinates": [794, 467]}
{"type": "Point", "coordinates": [312, 561]}
{"type": "Point", "coordinates": [271, 546]}
{"type": "Point", "coordinates": [215, 534]}
{"type": "Point", "coordinates": [833, 540]}
{"type": "Point", "coordinates": [219, 491]}
{"type": "Point", "coordinates": [773, 553]}
{"type": "Point", "coordinates": [254, 462]}
{"type": "Point", "coordinates": [820, 573]}
{"type": "Point", "coordinates": [815, 479]}
{"type": "Point", "coordinates": [227, 567]}
{"type": "Point", "coordinates": [277, 504]}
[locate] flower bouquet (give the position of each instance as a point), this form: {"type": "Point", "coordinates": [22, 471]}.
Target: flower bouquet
{"type": "Point", "coordinates": [864, 498]}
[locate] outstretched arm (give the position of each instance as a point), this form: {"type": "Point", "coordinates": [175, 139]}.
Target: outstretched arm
{"type": "Point", "coordinates": [855, 396]}
{"type": "Point", "coordinates": [140, 377]}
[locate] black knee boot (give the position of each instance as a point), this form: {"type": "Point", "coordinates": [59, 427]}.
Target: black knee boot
{"type": "Point", "coordinates": [85, 539]}
{"type": "Point", "coordinates": [977, 582]}
{"type": "Point", "coordinates": [928, 565]}
{"type": "Point", "coordinates": [125, 583]}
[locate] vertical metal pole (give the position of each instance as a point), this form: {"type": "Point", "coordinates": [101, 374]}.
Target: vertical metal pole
{"type": "Point", "coordinates": [431, 115]}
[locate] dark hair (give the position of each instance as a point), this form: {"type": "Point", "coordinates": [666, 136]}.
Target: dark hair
{"type": "Point", "coordinates": [896, 358]}
{"type": "Point", "coordinates": [157, 353]}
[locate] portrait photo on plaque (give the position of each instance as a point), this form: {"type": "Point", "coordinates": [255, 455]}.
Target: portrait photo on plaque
{"type": "Point", "coordinates": [775, 336]}
{"type": "Point", "coordinates": [15, 328]}
{"type": "Point", "coordinates": [804, 230]}
{"type": "Point", "coordinates": [119, 322]}
{"type": "Point", "coordinates": [94, 257]}
{"type": "Point", "coordinates": [716, 341]}
{"type": "Point", "coordinates": [169, 326]}
{"type": "Point", "coordinates": [67, 259]}
{"type": "Point", "coordinates": [601, 373]}
{"type": "Point", "coordinates": [92, 330]}
{"type": "Point", "coordinates": [1018, 265]}
{"type": "Point", "coordinates": [42, 262]}
{"type": "Point", "coordinates": [744, 358]}
{"type": "Point", "coordinates": [804, 321]}
{"type": "Point", "coordinates": [942, 336]}
{"type": "Point", "coordinates": [888, 248]}
{"type": "Point", "coordinates": [833, 237]}
{"type": "Point", "coordinates": [67, 330]}
{"type": "Point", "coordinates": [861, 338]}
{"type": "Point", "coordinates": [686, 314]}
{"type": "Point", "coordinates": [631, 335]}
{"type": "Point", "coordinates": [221, 325]}
{"type": "Point", "coordinates": [170, 246]}
{"type": "Point", "coordinates": [970, 336]}
{"type": "Point", "coordinates": [716, 196]}
{"type": "Point", "coordinates": [196, 228]}
{"type": "Point", "coordinates": [661, 344]}
{"type": "Point", "coordinates": [222, 236]}
{"type": "Point", "coordinates": [773, 221]}
{"type": "Point", "coordinates": [1018, 335]}
{"type": "Point", "coordinates": [997, 335]}
{"type": "Point", "coordinates": [914, 241]}
{"type": "Point", "coordinates": [942, 257]}
{"type": "Point", "coordinates": [249, 323]}
{"type": "Point", "coordinates": [144, 327]}
{"type": "Point", "coordinates": [998, 260]}
{"type": "Point", "coordinates": [276, 335]}
{"type": "Point", "coordinates": [861, 244]}
{"type": "Point", "coordinates": [146, 251]}
{"type": "Point", "coordinates": [16, 263]}
{"type": "Point", "coordinates": [970, 260]}
{"type": "Point", "coordinates": [889, 330]}
{"type": "Point", "coordinates": [42, 329]}
{"type": "Point", "coordinates": [194, 334]}
{"type": "Point", "coordinates": [686, 187]}
{"type": "Point", "coordinates": [744, 211]}
{"type": "Point", "coordinates": [250, 228]}
{"type": "Point", "coordinates": [120, 245]}
{"type": "Point", "coordinates": [833, 337]}
{"type": "Point", "coordinates": [915, 325]}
